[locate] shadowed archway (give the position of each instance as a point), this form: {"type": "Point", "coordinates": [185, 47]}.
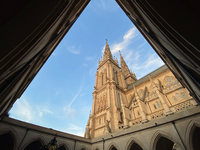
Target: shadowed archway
{"type": "Point", "coordinates": [113, 148]}
{"type": "Point", "coordinates": [6, 142]}
{"type": "Point", "coordinates": [195, 139]}
{"type": "Point", "coordinates": [135, 146]}
{"type": "Point", "coordinates": [164, 144]}
{"type": "Point", "coordinates": [62, 148]}
{"type": "Point", "coordinates": [34, 145]}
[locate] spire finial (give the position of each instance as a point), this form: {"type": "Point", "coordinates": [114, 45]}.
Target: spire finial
{"type": "Point", "coordinates": [119, 52]}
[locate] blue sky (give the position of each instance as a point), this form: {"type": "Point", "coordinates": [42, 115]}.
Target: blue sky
{"type": "Point", "coordinates": [60, 96]}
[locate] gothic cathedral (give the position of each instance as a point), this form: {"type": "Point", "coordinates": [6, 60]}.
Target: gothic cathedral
{"type": "Point", "coordinates": [120, 100]}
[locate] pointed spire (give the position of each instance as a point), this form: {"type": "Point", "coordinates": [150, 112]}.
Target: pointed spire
{"type": "Point", "coordinates": [124, 66]}
{"type": "Point", "coordinates": [107, 53]}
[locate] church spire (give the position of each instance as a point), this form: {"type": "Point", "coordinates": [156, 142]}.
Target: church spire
{"type": "Point", "coordinates": [124, 66]}
{"type": "Point", "coordinates": [107, 53]}
{"type": "Point", "coordinates": [129, 76]}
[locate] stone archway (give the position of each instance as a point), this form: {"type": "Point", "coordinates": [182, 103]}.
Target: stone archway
{"type": "Point", "coordinates": [34, 145]}
{"type": "Point", "coordinates": [164, 143]}
{"type": "Point", "coordinates": [6, 141]}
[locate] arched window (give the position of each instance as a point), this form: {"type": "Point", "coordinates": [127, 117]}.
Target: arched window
{"type": "Point", "coordinates": [119, 101]}
{"type": "Point", "coordinates": [158, 104]}
{"type": "Point", "coordinates": [155, 106]}
{"type": "Point", "coordinates": [178, 96]}
{"type": "Point", "coordinates": [175, 99]}
{"type": "Point", "coordinates": [183, 95]}
{"type": "Point", "coordinates": [117, 78]}
{"type": "Point", "coordinates": [99, 120]}
{"type": "Point", "coordinates": [102, 79]}
{"type": "Point", "coordinates": [130, 116]}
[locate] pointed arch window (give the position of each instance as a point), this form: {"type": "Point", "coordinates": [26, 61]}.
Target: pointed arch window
{"type": "Point", "coordinates": [158, 104]}
{"type": "Point", "coordinates": [183, 95]}
{"type": "Point", "coordinates": [155, 106]}
{"type": "Point", "coordinates": [119, 101]}
{"type": "Point", "coordinates": [178, 96]}
{"type": "Point", "coordinates": [117, 78]}
{"type": "Point", "coordinates": [175, 99]}
{"type": "Point", "coordinates": [102, 79]}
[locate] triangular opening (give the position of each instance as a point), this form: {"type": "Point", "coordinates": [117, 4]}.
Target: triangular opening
{"type": "Point", "coordinates": [62, 89]}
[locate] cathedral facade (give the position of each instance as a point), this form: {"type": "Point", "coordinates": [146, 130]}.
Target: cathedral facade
{"type": "Point", "coordinates": [152, 113]}
{"type": "Point", "coordinates": [121, 101]}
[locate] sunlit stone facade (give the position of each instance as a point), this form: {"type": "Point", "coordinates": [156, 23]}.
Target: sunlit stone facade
{"type": "Point", "coordinates": [121, 101]}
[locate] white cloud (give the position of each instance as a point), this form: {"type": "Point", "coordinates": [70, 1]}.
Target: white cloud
{"type": "Point", "coordinates": [73, 49]}
{"type": "Point", "coordinates": [153, 60]}
{"type": "Point", "coordinates": [68, 109]}
{"type": "Point", "coordinates": [74, 129]}
{"type": "Point", "coordinates": [130, 34]}
{"type": "Point", "coordinates": [23, 110]}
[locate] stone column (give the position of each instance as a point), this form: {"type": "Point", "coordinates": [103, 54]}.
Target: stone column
{"type": "Point", "coordinates": [124, 116]}
{"type": "Point", "coordinates": [114, 120]}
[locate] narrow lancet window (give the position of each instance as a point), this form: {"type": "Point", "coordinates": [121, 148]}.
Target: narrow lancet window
{"type": "Point", "coordinates": [119, 101]}
{"type": "Point", "coordinates": [158, 104]}
{"type": "Point", "coordinates": [178, 96]}
{"type": "Point", "coordinates": [102, 79]}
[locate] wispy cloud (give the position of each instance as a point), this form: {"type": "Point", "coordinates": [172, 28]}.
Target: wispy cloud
{"type": "Point", "coordinates": [127, 39]}
{"type": "Point", "coordinates": [143, 68]}
{"type": "Point", "coordinates": [74, 50]}
{"type": "Point", "coordinates": [67, 109]}
{"type": "Point", "coordinates": [92, 71]}
{"type": "Point", "coordinates": [102, 6]}
{"type": "Point", "coordinates": [90, 58]}
{"type": "Point", "coordinates": [23, 110]}
{"type": "Point", "coordinates": [74, 129]}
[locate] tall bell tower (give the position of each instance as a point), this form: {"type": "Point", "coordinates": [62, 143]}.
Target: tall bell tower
{"type": "Point", "coordinates": [109, 100]}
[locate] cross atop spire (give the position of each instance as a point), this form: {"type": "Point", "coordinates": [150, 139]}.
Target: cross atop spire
{"type": "Point", "coordinates": [107, 53]}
